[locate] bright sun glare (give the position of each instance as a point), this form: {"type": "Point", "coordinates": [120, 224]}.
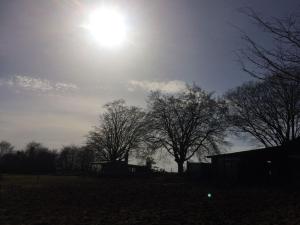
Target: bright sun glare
{"type": "Point", "coordinates": [108, 26]}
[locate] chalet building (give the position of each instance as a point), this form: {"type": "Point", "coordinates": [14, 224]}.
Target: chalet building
{"type": "Point", "coordinates": [119, 168]}
{"type": "Point", "coordinates": [267, 165]}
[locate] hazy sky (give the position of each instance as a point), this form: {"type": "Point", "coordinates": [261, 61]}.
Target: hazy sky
{"type": "Point", "coordinates": [54, 78]}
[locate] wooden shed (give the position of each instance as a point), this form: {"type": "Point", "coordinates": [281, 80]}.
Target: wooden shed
{"type": "Point", "coordinates": [266, 165]}
{"type": "Point", "coordinates": [118, 168]}
{"type": "Point", "coordinates": [198, 170]}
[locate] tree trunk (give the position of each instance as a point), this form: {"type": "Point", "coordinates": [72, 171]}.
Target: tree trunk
{"type": "Point", "coordinates": [180, 167]}
{"type": "Point", "coordinates": [126, 157]}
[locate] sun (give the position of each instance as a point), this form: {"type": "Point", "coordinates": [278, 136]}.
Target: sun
{"type": "Point", "coordinates": [108, 26]}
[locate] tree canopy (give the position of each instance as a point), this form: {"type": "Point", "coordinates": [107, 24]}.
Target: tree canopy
{"type": "Point", "coordinates": [187, 123]}
{"type": "Point", "coordinates": [268, 110]}
{"type": "Point", "coordinates": [121, 130]}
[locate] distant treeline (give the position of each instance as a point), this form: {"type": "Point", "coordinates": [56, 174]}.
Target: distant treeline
{"type": "Point", "coordinates": [38, 159]}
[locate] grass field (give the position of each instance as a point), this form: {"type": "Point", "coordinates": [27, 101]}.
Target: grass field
{"type": "Point", "coordinates": [90, 201]}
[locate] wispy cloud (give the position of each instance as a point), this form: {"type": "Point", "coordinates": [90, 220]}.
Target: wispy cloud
{"type": "Point", "coordinates": [31, 83]}
{"type": "Point", "coordinates": [163, 86]}
{"type": "Point", "coordinates": [37, 84]}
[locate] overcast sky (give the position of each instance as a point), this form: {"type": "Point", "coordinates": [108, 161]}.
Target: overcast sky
{"type": "Point", "coordinates": [54, 78]}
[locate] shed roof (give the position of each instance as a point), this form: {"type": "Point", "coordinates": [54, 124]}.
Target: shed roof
{"type": "Point", "coordinates": [290, 147]}
{"type": "Point", "coordinates": [117, 162]}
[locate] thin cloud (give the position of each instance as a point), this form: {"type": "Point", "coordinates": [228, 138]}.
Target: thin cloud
{"type": "Point", "coordinates": [30, 83]}
{"type": "Point", "coordinates": [163, 86]}
{"type": "Point", "coordinates": [65, 86]}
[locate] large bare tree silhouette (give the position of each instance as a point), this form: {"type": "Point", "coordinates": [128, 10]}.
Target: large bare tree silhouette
{"type": "Point", "coordinates": [187, 123]}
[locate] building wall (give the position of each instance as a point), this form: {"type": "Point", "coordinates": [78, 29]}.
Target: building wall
{"type": "Point", "coordinates": [258, 168]}
{"type": "Point", "coordinates": [199, 170]}
{"type": "Point", "coordinates": [118, 168]}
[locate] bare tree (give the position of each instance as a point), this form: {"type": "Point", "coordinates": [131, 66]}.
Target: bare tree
{"type": "Point", "coordinates": [122, 129]}
{"type": "Point", "coordinates": [67, 159]}
{"type": "Point", "coordinates": [283, 57]}
{"type": "Point", "coordinates": [38, 159]}
{"type": "Point", "coordinates": [84, 157]}
{"type": "Point", "coordinates": [268, 110]}
{"type": "Point", "coordinates": [74, 158]}
{"type": "Point", "coordinates": [187, 123]}
{"type": "Point", "coordinates": [5, 148]}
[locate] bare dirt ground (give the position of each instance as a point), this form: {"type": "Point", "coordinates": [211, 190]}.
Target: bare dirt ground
{"type": "Point", "coordinates": [50, 200]}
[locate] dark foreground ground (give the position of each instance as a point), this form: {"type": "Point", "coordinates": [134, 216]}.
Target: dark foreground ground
{"type": "Point", "coordinates": [90, 201]}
